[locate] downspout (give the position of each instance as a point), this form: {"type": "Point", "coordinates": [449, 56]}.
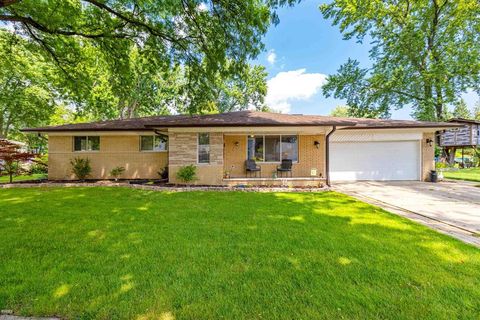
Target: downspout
{"type": "Point", "coordinates": [327, 154]}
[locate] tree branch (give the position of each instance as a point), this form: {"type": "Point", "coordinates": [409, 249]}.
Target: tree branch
{"type": "Point", "coordinates": [35, 24]}
{"type": "Point", "coordinates": [5, 3]}
{"type": "Point", "coordinates": [132, 21]}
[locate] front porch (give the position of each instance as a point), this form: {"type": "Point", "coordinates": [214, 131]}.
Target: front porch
{"type": "Point", "coordinates": [307, 151]}
{"type": "Point", "coordinates": [284, 182]}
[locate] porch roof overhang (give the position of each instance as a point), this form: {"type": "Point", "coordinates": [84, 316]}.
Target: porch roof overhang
{"type": "Point", "coordinates": [251, 129]}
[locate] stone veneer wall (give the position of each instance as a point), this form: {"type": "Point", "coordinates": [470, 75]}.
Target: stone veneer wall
{"type": "Point", "coordinates": [183, 151]}
{"type": "Point", "coordinates": [115, 151]}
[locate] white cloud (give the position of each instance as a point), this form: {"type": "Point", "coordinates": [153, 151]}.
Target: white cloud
{"type": "Point", "coordinates": [271, 57]}
{"type": "Point", "coordinates": [290, 86]}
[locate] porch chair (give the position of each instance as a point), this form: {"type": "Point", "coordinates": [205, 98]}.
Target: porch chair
{"type": "Point", "coordinates": [285, 166]}
{"type": "Point", "coordinates": [252, 167]}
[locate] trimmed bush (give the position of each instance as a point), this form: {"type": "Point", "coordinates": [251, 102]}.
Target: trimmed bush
{"type": "Point", "coordinates": [81, 167]}
{"type": "Point", "coordinates": [117, 172]}
{"type": "Point", "coordinates": [187, 174]}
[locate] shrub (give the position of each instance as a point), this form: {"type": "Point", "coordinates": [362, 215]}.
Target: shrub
{"type": "Point", "coordinates": [81, 168]}
{"type": "Point", "coordinates": [117, 172]}
{"type": "Point", "coordinates": [163, 173]}
{"type": "Point", "coordinates": [39, 165]}
{"type": "Point", "coordinates": [187, 174]}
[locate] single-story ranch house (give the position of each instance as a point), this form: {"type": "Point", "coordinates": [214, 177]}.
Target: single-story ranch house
{"type": "Point", "coordinates": [286, 148]}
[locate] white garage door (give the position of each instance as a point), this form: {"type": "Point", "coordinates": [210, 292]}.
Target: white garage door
{"type": "Point", "coordinates": [386, 160]}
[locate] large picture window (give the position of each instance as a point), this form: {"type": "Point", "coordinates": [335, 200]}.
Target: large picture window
{"type": "Point", "coordinates": [272, 148]}
{"type": "Point", "coordinates": [203, 148]}
{"type": "Point", "coordinates": [86, 143]}
{"type": "Point", "coordinates": [154, 143]}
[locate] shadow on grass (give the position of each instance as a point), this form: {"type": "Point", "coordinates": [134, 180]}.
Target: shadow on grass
{"type": "Point", "coordinates": [122, 253]}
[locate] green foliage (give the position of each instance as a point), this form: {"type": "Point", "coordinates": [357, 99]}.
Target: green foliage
{"type": "Point", "coordinates": [461, 110]}
{"type": "Point", "coordinates": [476, 111]}
{"type": "Point", "coordinates": [187, 174]}
{"type": "Point", "coordinates": [125, 58]}
{"type": "Point", "coordinates": [39, 165]}
{"type": "Point", "coordinates": [424, 54]}
{"type": "Point", "coordinates": [26, 95]}
{"type": "Point", "coordinates": [81, 167]}
{"type": "Point", "coordinates": [340, 111]}
{"type": "Point", "coordinates": [117, 172]}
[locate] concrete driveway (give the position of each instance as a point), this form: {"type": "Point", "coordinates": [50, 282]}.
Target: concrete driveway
{"type": "Point", "coordinates": [450, 207]}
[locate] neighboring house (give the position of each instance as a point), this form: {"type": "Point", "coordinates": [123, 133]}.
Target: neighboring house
{"type": "Point", "coordinates": [322, 148]}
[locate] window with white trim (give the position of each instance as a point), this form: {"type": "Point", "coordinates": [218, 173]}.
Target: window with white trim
{"type": "Point", "coordinates": [154, 143]}
{"type": "Point", "coordinates": [272, 148]}
{"type": "Point", "coordinates": [203, 148]}
{"type": "Point", "coordinates": [86, 143]}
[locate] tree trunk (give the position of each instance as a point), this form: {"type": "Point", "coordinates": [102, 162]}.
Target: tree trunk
{"type": "Point", "coordinates": [11, 177]}
{"type": "Point", "coordinates": [450, 152]}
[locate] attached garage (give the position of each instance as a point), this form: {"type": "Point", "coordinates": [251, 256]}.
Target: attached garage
{"type": "Point", "coordinates": [356, 156]}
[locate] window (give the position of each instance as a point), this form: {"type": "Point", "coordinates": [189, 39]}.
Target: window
{"type": "Point", "coordinates": [272, 148]}
{"type": "Point", "coordinates": [203, 148]}
{"type": "Point", "coordinates": [86, 143]}
{"type": "Point", "coordinates": [255, 148]}
{"type": "Point", "coordinates": [290, 147]}
{"type": "Point", "coordinates": [154, 143]}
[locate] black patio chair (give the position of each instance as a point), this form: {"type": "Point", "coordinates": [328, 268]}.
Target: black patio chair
{"type": "Point", "coordinates": [285, 166]}
{"type": "Point", "coordinates": [251, 167]}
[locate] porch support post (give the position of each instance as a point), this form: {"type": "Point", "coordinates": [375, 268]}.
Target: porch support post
{"type": "Point", "coordinates": [327, 154]}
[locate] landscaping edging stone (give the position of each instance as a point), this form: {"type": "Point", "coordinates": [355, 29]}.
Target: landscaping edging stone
{"type": "Point", "coordinates": [160, 187]}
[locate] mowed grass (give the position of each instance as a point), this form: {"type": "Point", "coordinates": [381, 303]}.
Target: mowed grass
{"type": "Point", "coordinates": [470, 174]}
{"type": "Point", "coordinates": [118, 253]}
{"type": "Point", "coordinates": [36, 176]}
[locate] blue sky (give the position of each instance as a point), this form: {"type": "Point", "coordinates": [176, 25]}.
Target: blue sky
{"type": "Point", "coordinates": [300, 51]}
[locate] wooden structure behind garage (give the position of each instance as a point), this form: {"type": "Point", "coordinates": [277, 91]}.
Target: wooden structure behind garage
{"type": "Point", "coordinates": [467, 136]}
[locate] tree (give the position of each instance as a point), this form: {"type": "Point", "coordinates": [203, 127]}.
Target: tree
{"type": "Point", "coordinates": [424, 54]}
{"type": "Point", "coordinates": [11, 156]}
{"type": "Point", "coordinates": [26, 94]}
{"type": "Point", "coordinates": [340, 111]}
{"type": "Point", "coordinates": [241, 92]}
{"type": "Point", "coordinates": [476, 111]}
{"type": "Point", "coordinates": [461, 110]}
{"type": "Point", "coordinates": [200, 36]}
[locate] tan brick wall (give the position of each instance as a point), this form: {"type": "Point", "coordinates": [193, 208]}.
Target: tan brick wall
{"type": "Point", "coordinates": [428, 156]}
{"type": "Point", "coordinates": [123, 151]}
{"type": "Point", "coordinates": [183, 151]}
{"type": "Point", "coordinates": [309, 157]}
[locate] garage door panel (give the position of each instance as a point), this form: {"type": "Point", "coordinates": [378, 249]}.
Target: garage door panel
{"type": "Point", "coordinates": [350, 161]}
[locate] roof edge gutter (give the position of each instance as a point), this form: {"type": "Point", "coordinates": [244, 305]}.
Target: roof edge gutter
{"type": "Point", "coordinates": [327, 154]}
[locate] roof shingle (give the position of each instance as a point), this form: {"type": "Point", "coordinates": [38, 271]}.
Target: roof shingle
{"type": "Point", "coordinates": [235, 119]}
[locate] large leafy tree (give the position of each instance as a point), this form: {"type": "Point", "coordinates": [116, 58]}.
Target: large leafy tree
{"type": "Point", "coordinates": [207, 40]}
{"type": "Point", "coordinates": [425, 53]}
{"type": "Point", "coordinates": [26, 93]}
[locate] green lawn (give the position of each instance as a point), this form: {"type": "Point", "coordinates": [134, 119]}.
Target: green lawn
{"type": "Point", "coordinates": [110, 253]}
{"type": "Point", "coordinates": [470, 174]}
{"type": "Point", "coordinates": [37, 176]}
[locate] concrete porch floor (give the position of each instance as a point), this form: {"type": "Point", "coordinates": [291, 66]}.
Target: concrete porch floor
{"type": "Point", "coordinates": [451, 207]}
{"type": "Point", "coordinates": [280, 181]}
